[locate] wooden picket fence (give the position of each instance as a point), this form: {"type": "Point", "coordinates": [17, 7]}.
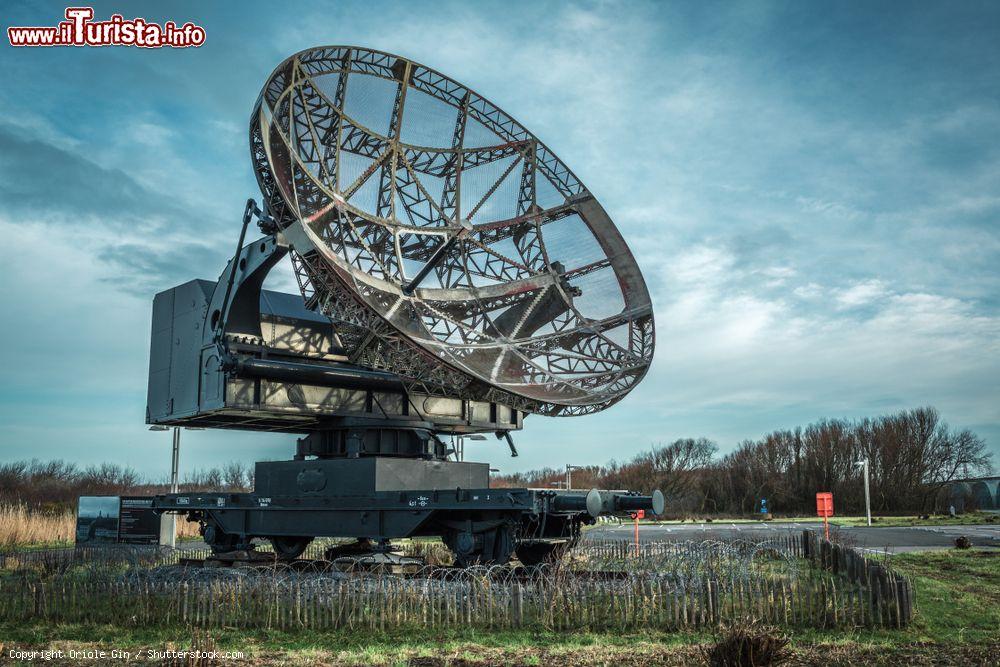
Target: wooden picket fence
{"type": "Point", "coordinates": [889, 591]}
{"type": "Point", "coordinates": [839, 588]}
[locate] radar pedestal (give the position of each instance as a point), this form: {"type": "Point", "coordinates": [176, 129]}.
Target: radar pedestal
{"type": "Point", "coordinates": [354, 438]}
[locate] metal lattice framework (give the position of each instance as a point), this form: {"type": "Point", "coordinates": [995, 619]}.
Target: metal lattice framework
{"type": "Point", "coordinates": [447, 243]}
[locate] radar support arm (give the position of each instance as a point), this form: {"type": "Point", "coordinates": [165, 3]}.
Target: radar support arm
{"type": "Point", "coordinates": [235, 309]}
{"type": "Point", "coordinates": [510, 442]}
{"type": "Point", "coordinates": [247, 216]}
{"type": "Point", "coordinates": [436, 258]}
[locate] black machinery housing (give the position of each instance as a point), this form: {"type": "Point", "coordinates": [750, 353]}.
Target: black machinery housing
{"type": "Point", "coordinates": [371, 464]}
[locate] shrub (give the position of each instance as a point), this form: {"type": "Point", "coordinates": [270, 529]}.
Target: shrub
{"type": "Point", "coordinates": [748, 644]}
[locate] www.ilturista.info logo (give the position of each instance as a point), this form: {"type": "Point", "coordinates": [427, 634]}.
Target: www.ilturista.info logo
{"type": "Point", "coordinates": [80, 30]}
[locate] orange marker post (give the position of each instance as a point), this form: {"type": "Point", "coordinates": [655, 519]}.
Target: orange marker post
{"type": "Point", "coordinates": [824, 508]}
{"type": "Point", "coordinates": [636, 515]}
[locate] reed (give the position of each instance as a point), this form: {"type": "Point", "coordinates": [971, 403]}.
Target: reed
{"type": "Point", "coordinates": [20, 526]}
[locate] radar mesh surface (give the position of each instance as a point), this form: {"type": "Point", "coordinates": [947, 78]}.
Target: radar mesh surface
{"type": "Point", "coordinates": [449, 244]}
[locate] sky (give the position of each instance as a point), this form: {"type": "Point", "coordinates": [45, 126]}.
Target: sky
{"type": "Point", "coordinates": [812, 191]}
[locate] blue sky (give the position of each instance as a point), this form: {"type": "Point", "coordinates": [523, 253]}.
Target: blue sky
{"type": "Point", "coordinates": [811, 189]}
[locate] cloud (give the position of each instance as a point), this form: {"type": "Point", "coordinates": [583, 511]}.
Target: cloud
{"type": "Point", "coordinates": [860, 293]}
{"type": "Point", "coordinates": [137, 239]}
{"type": "Point", "coordinates": [723, 342]}
{"type": "Point", "coordinates": [41, 179]}
{"type": "Point", "coordinates": [143, 269]}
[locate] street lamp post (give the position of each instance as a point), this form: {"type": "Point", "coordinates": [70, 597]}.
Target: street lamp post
{"type": "Point", "coordinates": [175, 459]}
{"type": "Point", "coordinates": [569, 474]}
{"type": "Point", "coordinates": [460, 444]}
{"type": "Point", "coordinates": [868, 498]}
{"type": "Point", "coordinates": [168, 522]}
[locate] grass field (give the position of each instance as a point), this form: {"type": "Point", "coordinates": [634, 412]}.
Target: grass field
{"type": "Point", "coordinates": [957, 622]}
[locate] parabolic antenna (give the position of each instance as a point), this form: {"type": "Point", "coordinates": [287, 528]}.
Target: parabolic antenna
{"type": "Point", "coordinates": [446, 242]}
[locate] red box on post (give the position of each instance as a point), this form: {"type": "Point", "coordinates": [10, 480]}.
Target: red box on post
{"type": "Point", "coordinates": [824, 504]}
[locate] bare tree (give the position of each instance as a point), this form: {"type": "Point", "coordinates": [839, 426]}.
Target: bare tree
{"type": "Point", "coordinates": [912, 454]}
{"type": "Point", "coordinates": [236, 476]}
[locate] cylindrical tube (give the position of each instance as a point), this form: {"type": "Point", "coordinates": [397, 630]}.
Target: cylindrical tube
{"type": "Point", "coordinates": [348, 377]}
{"type": "Point", "coordinates": [632, 503]}
{"type": "Point", "coordinates": [569, 502]}
{"type": "Point", "coordinates": [607, 502]}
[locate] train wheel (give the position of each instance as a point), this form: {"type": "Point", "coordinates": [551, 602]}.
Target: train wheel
{"type": "Point", "coordinates": [289, 548]}
{"type": "Point", "coordinates": [491, 547]}
{"type": "Point", "coordinates": [218, 541]}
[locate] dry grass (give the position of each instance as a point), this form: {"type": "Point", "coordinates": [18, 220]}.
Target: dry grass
{"type": "Point", "coordinates": [20, 526]}
{"type": "Point", "coordinates": [187, 529]}
{"type": "Point", "coordinates": [23, 527]}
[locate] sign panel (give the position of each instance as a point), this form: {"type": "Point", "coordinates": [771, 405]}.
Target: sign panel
{"type": "Point", "coordinates": [97, 519]}
{"type": "Point", "coordinates": [824, 504]}
{"type": "Point", "coordinates": [116, 520]}
{"type": "Point", "coordinates": [138, 523]}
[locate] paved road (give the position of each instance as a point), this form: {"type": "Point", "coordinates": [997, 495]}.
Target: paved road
{"type": "Point", "coordinates": [876, 538]}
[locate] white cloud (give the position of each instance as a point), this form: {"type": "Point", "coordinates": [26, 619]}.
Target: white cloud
{"type": "Point", "coordinates": [721, 342]}
{"type": "Point", "coordinates": [808, 291]}
{"type": "Point", "coordinates": [700, 266]}
{"type": "Point", "coordinates": [151, 134]}
{"type": "Point", "coordinates": [860, 293]}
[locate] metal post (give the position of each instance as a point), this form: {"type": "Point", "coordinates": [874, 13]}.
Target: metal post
{"type": "Point", "coordinates": [435, 259]}
{"type": "Point", "coordinates": [569, 474]}
{"type": "Point", "coordinates": [868, 497]}
{"type": "Point", "coordinates": [460, 444]}
{"type": "Point", "coordinates": [175, 459]}
{"type": "Point", "coordinates": [168, 522]}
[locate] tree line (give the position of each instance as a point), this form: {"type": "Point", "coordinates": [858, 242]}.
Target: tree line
{"type": "Point", "coordinates": [55, 485]}
{"type": "Point", "coordinates": [912, 456]}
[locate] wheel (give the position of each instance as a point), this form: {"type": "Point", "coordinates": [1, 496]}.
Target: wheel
{"type": "Point", "coordinates": [491, 547]}
{"type": "Point", "coordinates": [218, 541]}
{"type": "Point", "coordinates": [536, 553]}
{"type": "Point", "coordinates": [289, 548]}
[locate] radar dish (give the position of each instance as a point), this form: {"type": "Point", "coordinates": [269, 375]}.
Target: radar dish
{"type": "Point", "coordinates": [446, 242]}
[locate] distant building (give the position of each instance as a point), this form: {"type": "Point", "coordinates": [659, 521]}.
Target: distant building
{"type": "Point", "coordinates": [979, 493]}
